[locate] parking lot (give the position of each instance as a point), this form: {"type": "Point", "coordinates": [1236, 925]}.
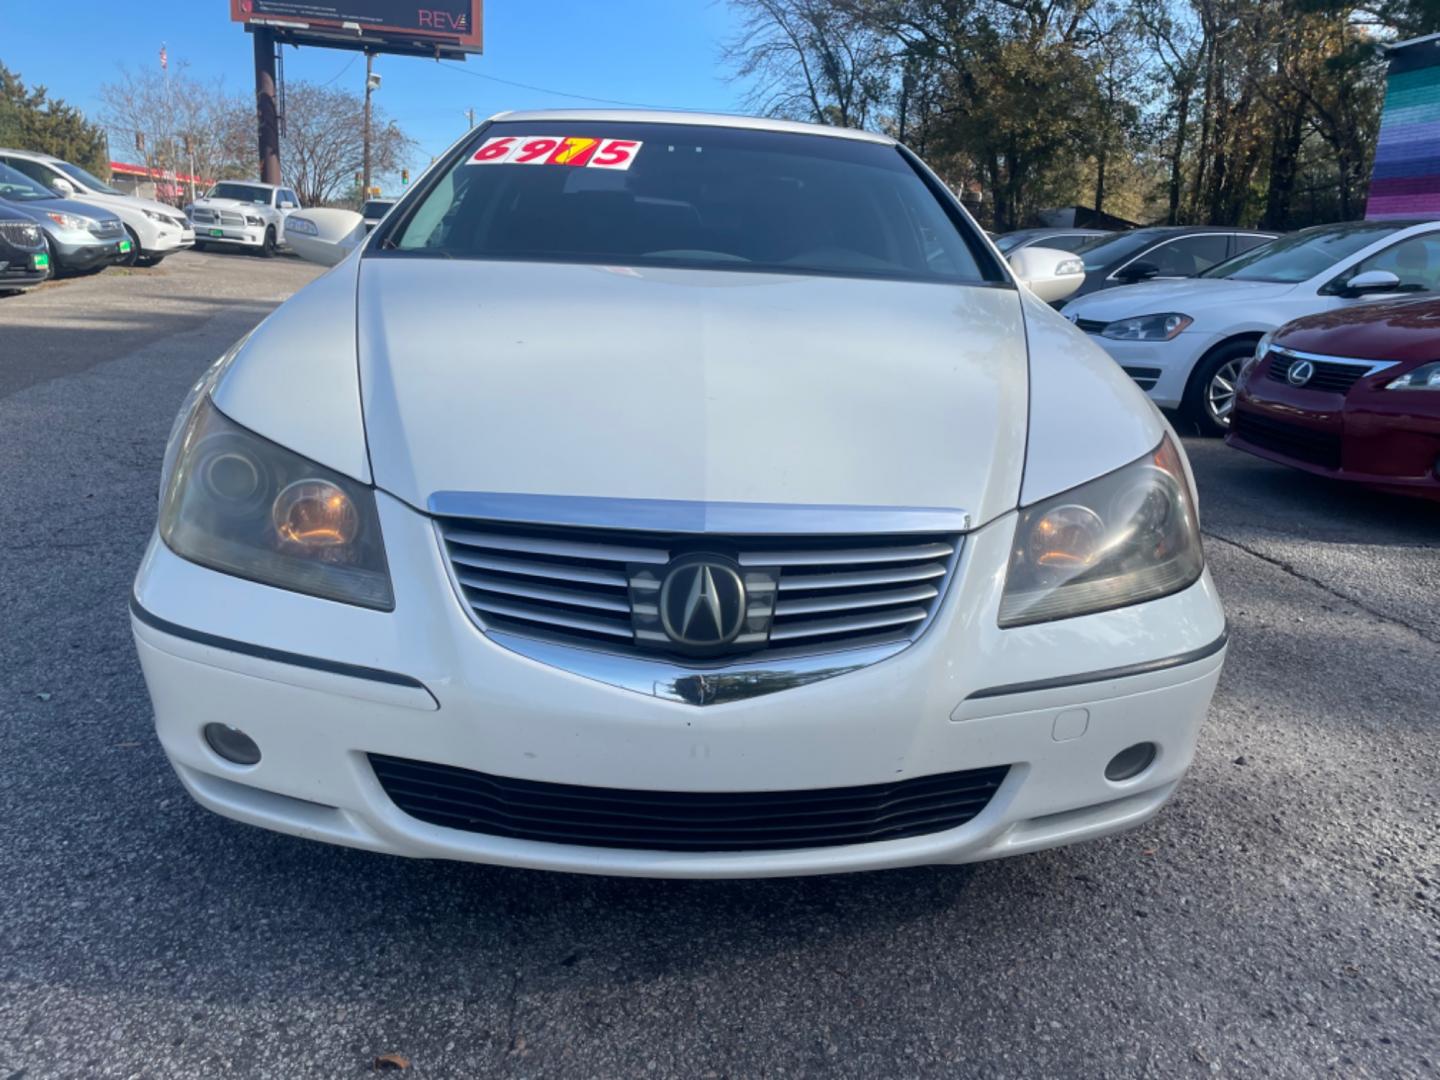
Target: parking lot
{"type": "Point", "coordinates": [1281, 916]}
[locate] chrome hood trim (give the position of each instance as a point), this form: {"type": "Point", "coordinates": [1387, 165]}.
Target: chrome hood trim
{"type": "Point", "coordinates": [696, 686]}
{"type": "Point", "coordinates": [688, 516]}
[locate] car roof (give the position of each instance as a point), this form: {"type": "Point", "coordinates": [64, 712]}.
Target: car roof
{"type": "Point", "coordinates": [697, 119]}
{"type": "Point", "coordinates": [34, 154]}
{"type": "Point", "coordinates": [251, 183]}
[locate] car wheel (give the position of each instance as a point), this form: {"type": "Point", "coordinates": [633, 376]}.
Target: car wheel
{"type": "Point", "coordinates": [133, 257]}
{"type": "Point", "coordinates": [1210, 397]}
{"type": "Point", "coordinates": [267, 249]}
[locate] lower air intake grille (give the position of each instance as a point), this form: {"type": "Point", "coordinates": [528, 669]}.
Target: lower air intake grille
{"type": "Point", "coordinates": [684, 821]}
{"type": "Point", "coordinates": [601, 588]}
{"type": "Point", "coordinates": [1292, 440]}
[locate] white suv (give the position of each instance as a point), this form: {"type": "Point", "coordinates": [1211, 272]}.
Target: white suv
{"type": "Point", "coordinates": [156, 230]}
{"type": "Point", "coordinates": [242, 213]}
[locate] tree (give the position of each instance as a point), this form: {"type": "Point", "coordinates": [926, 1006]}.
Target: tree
{"type": "Point", "coordinates": [32, 120]}
{"type": "Point", "coordinates": [810, 61]}
{"type": "Point", "coordinates": [184, 125]}
{"type": "Point", "coordinates": [323, 143]}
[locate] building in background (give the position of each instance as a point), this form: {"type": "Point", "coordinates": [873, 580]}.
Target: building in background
{"type": "Point", "coordinates": [159, 184]}
{"type": "Point", "coordinates": [1405, 180]}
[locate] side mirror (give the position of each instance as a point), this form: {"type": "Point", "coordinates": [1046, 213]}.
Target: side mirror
{"type": "Point", "coordinates": [62, 187]}
{"type": "Point", "coordinates": [1372, 281]}
{"type": "Point", "coordinates": [1050, 274]}
{"type": "Point", "coordinates": [324, 236]}
{"type": "Point", "coordinates": [1138, 271]}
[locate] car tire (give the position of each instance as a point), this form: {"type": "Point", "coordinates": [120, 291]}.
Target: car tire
{"type": "Point", "coordinates": [1210, 395]}
{"type": "Point", "coordinates": [199, 246]}
{"type": "Point", "coordinates": [268, 248]}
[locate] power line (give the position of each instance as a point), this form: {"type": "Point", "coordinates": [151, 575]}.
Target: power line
{"type": "Point", "coordinates": [342, 71]}
{"type": "Point", "coordinates": [559, 93]}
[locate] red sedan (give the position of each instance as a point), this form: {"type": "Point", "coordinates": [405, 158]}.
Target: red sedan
{"type": "Point", "coordinates": [1353, 394]}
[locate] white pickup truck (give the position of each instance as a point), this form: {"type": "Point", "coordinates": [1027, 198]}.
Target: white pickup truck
{"type": "Point", "coordinates": [242, 213]}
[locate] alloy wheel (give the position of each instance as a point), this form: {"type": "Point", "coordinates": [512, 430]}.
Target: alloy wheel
{"type": "Point", "coordinates": [1220, 394]}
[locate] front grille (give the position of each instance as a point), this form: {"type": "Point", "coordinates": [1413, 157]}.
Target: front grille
{"type": "Point", "coordinates": [684, 820]}
{"type": "Point", "coordinates": [1333, 378]}
{"type": "Point", "coordinates": [1292, 440]}
{"type": "Point", "coordinates": [600, 588]}
{"type": "Point", "coordinates": [107, 229]}
{"type": "Point", "coordinates": [21, 234]}
{"type": "Point", "coordinates": [201, 216]}
{"type": "Point", "coordinates": [1091, 326]}
{"type": "Point", "coordinates": [1145, 377]}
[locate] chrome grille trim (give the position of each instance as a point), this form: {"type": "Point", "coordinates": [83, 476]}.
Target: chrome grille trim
{"type": "Point", "coordinates": [576, 591]}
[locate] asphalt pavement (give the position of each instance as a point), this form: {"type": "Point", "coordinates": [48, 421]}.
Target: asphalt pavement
{"type": "Point", "coordinates": [1281, 917]}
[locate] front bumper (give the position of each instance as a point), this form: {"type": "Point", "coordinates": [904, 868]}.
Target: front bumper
{"type": "Point", "coordinates": [240, 235]}
{"type": "Point", "coordinates": [162, 240]}
{"type": "Point", "coordinates": [1160, 368]}
{"type": "Point", "coordinates": [966, 695]}
{"type": "Point", "coordinates": [1387, 440]}
{"type": "Point", "coordinates": [84, 254]}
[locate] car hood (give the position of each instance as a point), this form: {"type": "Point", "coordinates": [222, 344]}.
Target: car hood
{"type": "Point", "coordinates": [38, 208]}
{"type": "Point", "coordinates": [1189, 297]}
{"type": "Point", "coordinates": [228, 204]}
{"type": "Point", "coordinates": [712, 386]}
{"type": "Point", "coordinates": [1407, 330]}
{"type": "Point", "coordinates": [142, 204]}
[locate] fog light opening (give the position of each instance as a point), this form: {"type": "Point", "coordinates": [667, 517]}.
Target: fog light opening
{"type": "Point", "coordinates": [232, 744]}
{"type": "Point", "coordinates": [1130, 762]}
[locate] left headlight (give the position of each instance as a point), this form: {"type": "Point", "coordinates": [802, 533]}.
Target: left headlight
{"type": "Point", "coordinates": [1425, 377]}
{"type": "Point", "coordinates": [1130, 536]}
{"type": "Point", "coordinates": [155, 215]}
{"type": "Point", "coordinates": [1160, 327]}
{"type": "Point", "coordinates": [238, 503]}
{"type": "Point", "coordinates": [251, 219]}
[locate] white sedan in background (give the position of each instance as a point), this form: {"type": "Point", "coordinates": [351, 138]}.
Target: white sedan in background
{"type": "Point", "coordinates": [1184, 342]}
{"type": "Point", "coordinates": [678, 495]}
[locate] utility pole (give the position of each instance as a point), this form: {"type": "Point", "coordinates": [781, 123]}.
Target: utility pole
{"type": "Point", "coordinates": [265, 105]}
{"type": "Point", "coordinates": [370, 83]}
{"type": "Point", "coordinates": [470, 114]}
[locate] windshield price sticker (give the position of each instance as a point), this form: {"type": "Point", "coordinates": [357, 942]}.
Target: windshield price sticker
{"type": "Point", "coordinates": [576, 151]}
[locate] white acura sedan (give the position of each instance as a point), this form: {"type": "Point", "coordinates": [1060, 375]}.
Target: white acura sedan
{"type": "Point", "coordinates": [1185, 342]}
{"type": "Point", "coordinates": [677, 495]}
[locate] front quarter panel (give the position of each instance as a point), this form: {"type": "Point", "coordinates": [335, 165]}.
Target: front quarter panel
{"type": "Point", "coordinates": [296, 380]}
{"type": "Point", "coordinates": [1087, 417]}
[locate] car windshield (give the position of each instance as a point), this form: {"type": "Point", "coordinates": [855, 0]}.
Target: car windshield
{"type": "Point", "coordinates": [84, 178]}
{"type": "Point", "coordinates": [1300, 256]}
{"type": "Point", "coordinates": [375, 209]}
{"type": "Point", "coordinates": [17, 187]}
{"type": "Point", "coordinates": [250, 193]}
{"type": "Point", "coordinates": [644, 194]}
{"type": "Point", "coordinates": [1102, 251]}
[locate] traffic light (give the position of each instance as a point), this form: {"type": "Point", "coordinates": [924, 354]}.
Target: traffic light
{"type": "Point", "coordinates": [404, 177]}
{"type": "Point", "coordinates": [140, 142]}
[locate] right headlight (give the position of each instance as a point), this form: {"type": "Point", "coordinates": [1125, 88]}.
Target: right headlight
{"type": "Point", "coordinates": [1425, 377]}
{"type": "Point", "coordinates": [238, 503]}
{"type": "Point", "coordinates": [1127, 537]}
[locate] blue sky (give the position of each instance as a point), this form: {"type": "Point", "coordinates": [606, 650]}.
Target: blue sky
{"type": "Point", "coordinates": [653, 52]}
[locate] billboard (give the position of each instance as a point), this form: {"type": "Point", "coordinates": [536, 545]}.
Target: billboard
{"type": "Point", "coordinates": [1405, 180]}
{"type": "Point", "coordinates": [427, 27]}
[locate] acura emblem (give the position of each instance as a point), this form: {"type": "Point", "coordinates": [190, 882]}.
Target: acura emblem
{"type": "Point", "coordinates": [1300, 372]}
{"type": "Point", "coordinates": [702, 602]}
